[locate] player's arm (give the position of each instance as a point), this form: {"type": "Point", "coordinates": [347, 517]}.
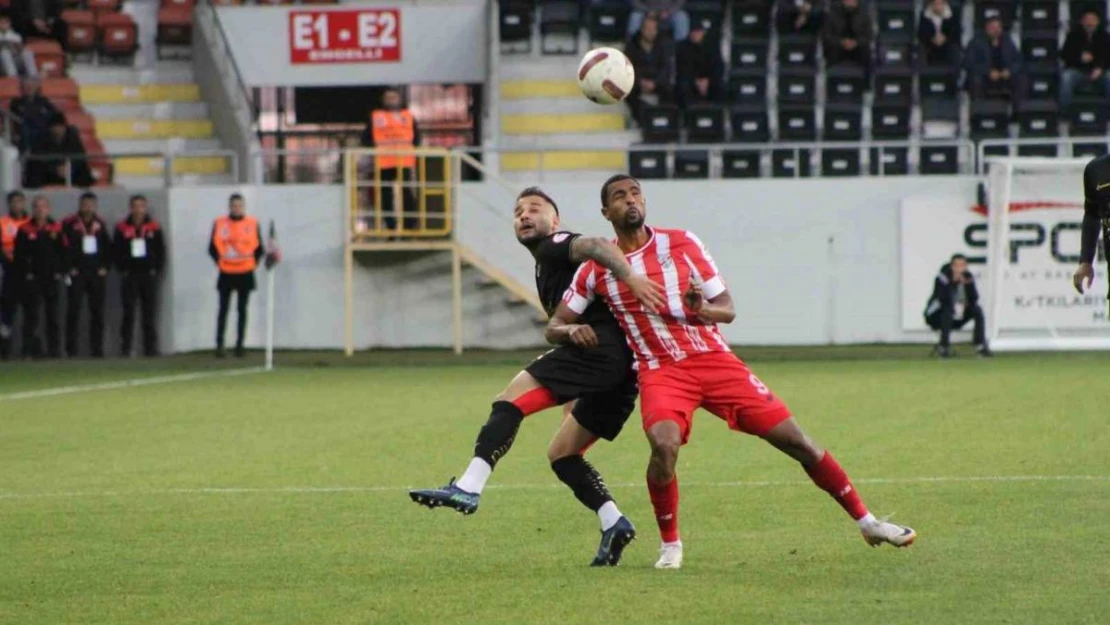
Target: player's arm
{"type": "Point", "coordinates": [707, 296]}
{"type": "Point", "coordinates": [1089, 236]}
{"type": "Point", "coordinates": [563, 329]}
{"type": "Point", "coordinates": [716, 309]}
{"type": "Point", "coordinates": [608, 255]}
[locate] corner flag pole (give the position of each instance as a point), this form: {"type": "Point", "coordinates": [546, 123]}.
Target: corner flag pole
{"type": "Point", "coordinates": [273, 257]}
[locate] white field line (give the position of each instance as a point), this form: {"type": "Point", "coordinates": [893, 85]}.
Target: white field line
{"type": "Point", "coordinates": [109, 386]}
{"type": "Point", "coordinates": [315, 490]}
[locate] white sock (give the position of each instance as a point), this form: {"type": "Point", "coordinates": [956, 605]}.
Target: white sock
{"type": "Point", "coordinates": [677, 543]}
{"type": "Point", "coordinates": [474, 479]}
{"type": "Point", "coordinates": [609, 515]}
{"type": "Point", "coordinates": [865, 520]}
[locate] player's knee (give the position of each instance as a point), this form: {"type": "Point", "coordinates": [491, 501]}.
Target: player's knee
{"type": "Point", "coordinates": [665, 443]}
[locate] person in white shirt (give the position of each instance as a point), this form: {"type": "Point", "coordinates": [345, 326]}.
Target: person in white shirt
{"type": "Point", "coordinates": [15, 60]}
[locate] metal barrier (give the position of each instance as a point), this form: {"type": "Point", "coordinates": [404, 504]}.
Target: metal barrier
{"type": "Point", "coordinates": [168, 161]}
{"type": "Point", "coordinates": [1087, 147]}
{"type": "Point", "coordinates": [421, 196]}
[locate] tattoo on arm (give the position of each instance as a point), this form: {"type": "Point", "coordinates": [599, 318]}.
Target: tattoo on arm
{"type": "Point", "coordinates": [605, 253]}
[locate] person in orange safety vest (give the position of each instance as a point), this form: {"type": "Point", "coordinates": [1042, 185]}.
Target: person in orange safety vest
{"type": "Point", "coordinates": [236, 247]}
{"type": "Point", "coordinates": [393, 127]}
{"type": "Point", "coordinates": [10, 291]}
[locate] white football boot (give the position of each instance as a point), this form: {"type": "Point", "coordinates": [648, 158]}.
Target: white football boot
{"type": "Point", "coordinates": [883, 531]}
{"type": "Point", "coordinates": [670, 556]}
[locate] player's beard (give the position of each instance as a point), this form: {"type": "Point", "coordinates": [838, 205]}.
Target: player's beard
{"type": "Point", "coordinates": [633, 220]}
{"type": "Point", "coordinates": [535, 235]}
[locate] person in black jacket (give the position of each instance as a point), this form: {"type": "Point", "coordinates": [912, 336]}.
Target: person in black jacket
{"type": "Point", "coordinates": [34, 113]}
{"type": "Point", "coordinates": [652, 57]}
{"type": "Point", "coordinates": [53, 152]}
{"type": "Point", "coordinates": [140, 257]}
{"type": "Point", "coordinates": [955, 302]}
{"type": "Point", "coordinates": [40, 259]}
{"type": "Point", "coordinates": [700, 68]}
{"type": "Point", "coordinates": [1086, 55]}
{"type": "Point", "coordinates": [938, 33]}
{"type": "Point", "coordinates": [90, 257]}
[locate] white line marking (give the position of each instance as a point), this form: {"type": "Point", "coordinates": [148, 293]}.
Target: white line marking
{"type": "Point", "coordinates": [313, 490]}
{"type": "Point", "coordinates": [108, 386]}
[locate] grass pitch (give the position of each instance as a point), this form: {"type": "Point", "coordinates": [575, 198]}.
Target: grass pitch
{"type": "Point", "coordinates": [280, 498]}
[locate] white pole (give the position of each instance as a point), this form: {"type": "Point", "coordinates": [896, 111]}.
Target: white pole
{"type": "Point", "coordinates": [270, 319]}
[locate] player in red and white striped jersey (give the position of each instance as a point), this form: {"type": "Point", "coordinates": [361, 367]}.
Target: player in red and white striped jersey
{"type": "Point", "coordinates": [684, 363]}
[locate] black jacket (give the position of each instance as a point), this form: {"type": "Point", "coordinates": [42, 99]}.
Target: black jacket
{"type": "Point", "coordinates": [1077, 43]}
{"type": "Point", "coordinates": [40, 252]}
{"type": "Point", "coordinates": [42, 172]}
{"type": "Point", "coordinates": [75, 231]}
{"type": "Point", "coordinates": [150, 231]}
{"type": "Point", "coordinates": [944, 291]}
{"type": "Point", "coordinates": [654, 64]}
{"type": "Point", "coordinates": [699, 61]}
{"type": "Point", "coordinates": [34, 113]}
{"type": "Point", "coordinates": [927, 29]}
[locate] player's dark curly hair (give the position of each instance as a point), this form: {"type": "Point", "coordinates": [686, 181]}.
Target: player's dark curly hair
{"type": "Point", "coordinates": [611, 180]}
{"type": "Point", "coordinates": [538, 192]}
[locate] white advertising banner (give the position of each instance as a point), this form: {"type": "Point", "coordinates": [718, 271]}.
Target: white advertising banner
{"type": "Point", "coordinates": [1042, 255]}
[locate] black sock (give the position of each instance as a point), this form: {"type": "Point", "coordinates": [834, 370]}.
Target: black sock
{"type": "Point", "coordinates": [583, 479]}
{"type": "Point", "coordinates": [498, 433]}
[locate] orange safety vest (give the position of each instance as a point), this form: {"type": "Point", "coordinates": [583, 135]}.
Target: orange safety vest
{"type": "Point", "coordinates": [394, 130]}
{"type": "Point", "coordinates": [9, 228]}
{"type": "Point", "coordinates": [236, 241]}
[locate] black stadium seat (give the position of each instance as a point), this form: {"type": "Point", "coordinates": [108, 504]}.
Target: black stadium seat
{"type": "Point", "coordinates": [1039, 119]}
{"type": "Point", "coordinates": [889, 161]}
{"type": "Point", "coordinates": [797, 51]}
{"type": "Point", "coordinates": [647, 164]}
{"type": "Point", "coordinates": [936, 159]}
{"type": "Point", "coordinates": [750, 53]}
{"type": "Point", "coordinates": [844, 83]}
{"type": "Point", "coordinates": [660, 124]}
{"type": "Point", "coordinates": [797, 85]}
{"type": "Point", "coordinates": [989, 119]}
{"type": "Point", "coordinates": [789, 163]}
{"type": "Point", "coordinates": [890, 121]}
{"type": "Point", "coordinates": [797, 123]}
{"type": "Point", "coordinates": [1040, 15]}
{"type": "Point", "coordinates": [516, 23]}
{"type": "Point", "coordinates": [1040, 48]}
{"type": "Point", "coordinates": [843, 122]}
{"type": "Point", "coordinates": [691, 164]}
{"type": "Point", "coordinates": [704, 124]}
{"type": "Point", "coordinates": [893, 85]}
{"type": "Point", "coordinates": [740, 164]}
{"type": "Point", "coordinates": [561, 18]}
{"type": "Point", "coordinates": [838, 162]}
{"type": "Point", "coordinates": [751, 19]}
{"type": "Point", "coordinates": [750, 124]}
{"type": "Point", "coordinates": [747, 86]}
{"type": "Point", "coordinates": [608, 22]}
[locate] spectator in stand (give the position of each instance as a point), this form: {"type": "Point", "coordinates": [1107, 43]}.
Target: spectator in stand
{"type": "Point", "coordinates": [700, 69]}
{"type": "Point", "coordinates": [673, 21]}
{"type": "Point", "coordinates": [140, 257]}
{"type": "Point", "coordinates": [41, 18]}
{"type": "Point", "coordinates": [651, 56]}
{"type": "Point", "coordinates": [394, 127]}
{"type": "Point", "coordinates": [799, 17]}
{"type": "Point", "coordinates": [57, 153]}
{"type": "Point", "coordinates": [89, 257]}
{"type": "Point", "coordinates": [994, 65]}
{"type": "Point", "coordinates": [938, 33]}
{"type": "Point", "coordinates": [15, 60]}
{"type": "Point", "coordinates": [1086, 54]}
{"type": "Point", "coordinates": [40, 259]}
{"type": "Point", "coordinates": [34, 112]}
{"type": "Point", "coordinates": [847, 34]}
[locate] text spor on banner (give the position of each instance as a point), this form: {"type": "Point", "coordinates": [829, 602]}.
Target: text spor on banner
{"type": "Point", "coordinates": [359, 36]}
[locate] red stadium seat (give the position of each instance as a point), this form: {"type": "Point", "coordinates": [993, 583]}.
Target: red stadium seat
{"type": "Point", "coordinates": [118, 34]}
{"type": "Point", "coordinates": [319, 1]}
{"type": "Point", "coordinates": [175, 26]}
{"type": "Point", "coordinates": [274, 1]}
{"type": "Point", "coordinates": [62, 92]}
{"type": "Point", "coordinates": [49, 57]}
{"type": "Point", "coordinates": [92, 144]}
{"type": "Point", "coordinates": [178, 4]}
{"type": "Point", "coordinates": [9, 90]}
{"type": "Point", "coordinates": [102, 171]}
{"type": "Point", "coordinates": [227, 2]}
{"type": "Point", "coordinates": [103, 6]}
{"type": "Point", "coordinates": [80, 119]}
{"type": "Point", "coordinates": [80, 30]}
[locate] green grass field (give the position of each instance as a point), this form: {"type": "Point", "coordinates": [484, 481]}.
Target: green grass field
{"type": "Point", "coordinates": [280, 498]}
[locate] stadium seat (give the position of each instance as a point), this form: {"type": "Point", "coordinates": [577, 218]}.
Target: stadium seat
{"type": "Point", "coordinates": [894, 51]}
{"type": "Point", "coordinates": [797, 123]}
{"type": "Point", "coordinates": [49, 57]}
{"type": "Point", "coordinates": [227, 2]}
{"type": "Point", "coordinates": [188, 4]}
{"type": "Point", "coordinates": [938, 83]}
{"type": "Point", "coordinates": [1005, 10]}
{"type": "Point", "coordinates": [940, 117]}
{"type": "Point", "coordinates": [893, 85]}
{"type": "Point", "coordinates": [1090, 89]}
{"type": "Point", "coordinates": [81, 121]}
{"type": "Point", "coordinates": [515, 26]}
{"type": "Point", "coordinates": [751, 19]}
{"type": "Point", "coordinates": [608, 22]}
{"type": "Point", "coordinates": [797, 85]}
{"type": "Point", "coordinates": [660, 124]}
{"type": "Point", "coordinates": [60, 91]}
{"type": "Point", "coordinates": [890, 121]}
{"type": "Point", "coordinates": [319, 1]}
{"type": "Point", "coordinates": [1040, 48]}
{"type": "Point", "coordinates": [989, 119]}
{"type": "Point", "coordinates": [750, 53]}
{"type": "Point", "coordinates": [843, 122]}
{"type": "Point", "coordinates": [102, 171]}
{"type": "Point", "coordinates": [840, 162]}
{"type": "Point", "coordinates": [1078, 7]}
{"type": "Point", "coordinates": [789, 163]}
{"type": "Point", "coordinates": [750, 124]}
{"type": "Point", "coordinates": [895, 19]}
{"type": "Point", "coordinates": [175, 28]}
{"type": "Point", "coordinates": [1044, 83]}
{"type": "Point", "coordinates": [1043, 15]}
{"type": "Point", "coordinates": [797, 51]}
{"type": "Point", "coordinates": [80, 31]}
{"type": "Point", "coordinates": [92, 145]}
{"type": "Point", "coordinates": [647, 164]}
{"type": "Point", "coordinates": [1087, 118]}
{"type": "Point", "coordinates": [691, 164]}
{"type": "Point", "coordinates": [118, 35]}
{"type": "Point", "coordinates": [844, 83]}
{"type": "Point", "coordinates": [740, 164]}
{"type": "Point", "coordinates": [1039, 119]}
{"type": "Point", "coordinates": [747, 86]}
{"type": "Point", "coordinates": [561, 19]}
{"type": "Point", "coordinates": [704, 124]}
{"type": "Point", "coordinates": [889, 161]}
{"type": "Point", "coordinates": [1088, 150]}
{"type": "Point", "coordinates": [102, 6]}
{"type": "Point", "coordinates": [1044, 151]}
{"type": "Point", "coordinates": [9, 90]}
{"type": "Point", "coordinates": [938, 160]}
{"type": "Point", "coordinates": [709, 15]}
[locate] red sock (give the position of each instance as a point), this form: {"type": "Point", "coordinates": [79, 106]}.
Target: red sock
{"type": "Point", "coordinates": [829, 477]}
{"type": "Point", "coordinates": [664, 498]}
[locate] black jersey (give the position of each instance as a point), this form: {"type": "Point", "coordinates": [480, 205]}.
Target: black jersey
{"type": "Point", "coordinates": [554, 272]}
{"type": "Point", "coordinates": [1096, 206]}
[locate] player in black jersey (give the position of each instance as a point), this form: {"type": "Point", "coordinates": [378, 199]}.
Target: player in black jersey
{"type": "Point", "coordinates": [592, 377]}
{"type": "Point", "coordinates": [1096, 216]}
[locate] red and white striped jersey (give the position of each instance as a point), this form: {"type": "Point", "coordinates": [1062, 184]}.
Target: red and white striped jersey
{"type": "Point", "coordinates": [674, 259]}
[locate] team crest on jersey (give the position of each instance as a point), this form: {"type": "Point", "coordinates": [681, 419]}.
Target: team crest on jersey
{"type": "Point", "coordinates": [560, 237]}
{"type": "Point", "coordinates": [666, 261]}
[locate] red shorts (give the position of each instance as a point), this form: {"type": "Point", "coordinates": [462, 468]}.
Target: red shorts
{"type": "Point", "coordinates": [719, 382]}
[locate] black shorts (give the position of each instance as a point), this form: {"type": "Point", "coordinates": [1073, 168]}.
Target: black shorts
{"type": "Point", "coordinates": [235, 281]}
{"type": "Point", "coordinates": [600, 378]}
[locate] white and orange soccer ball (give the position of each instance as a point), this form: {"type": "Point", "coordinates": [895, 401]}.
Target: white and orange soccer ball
{"type": "Point", "coordinates": [606, 75]}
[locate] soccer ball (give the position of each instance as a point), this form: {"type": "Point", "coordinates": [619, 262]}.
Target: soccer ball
{"type": "Point", "coordinates": [606, 75]}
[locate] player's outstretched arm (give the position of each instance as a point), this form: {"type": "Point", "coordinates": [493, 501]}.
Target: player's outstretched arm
{"type": "Point", "coordinates": [564, 329]}
{"type": "Point", "coordinates": [1088, 240]}
{"type": "Point", "coordinates": [718, 309]}
{"type": "Point", "coordinates": [608, 255]}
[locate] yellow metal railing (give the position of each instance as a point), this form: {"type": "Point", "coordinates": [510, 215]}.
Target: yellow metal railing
{"type": "Point", "coordinates": [421, 197]}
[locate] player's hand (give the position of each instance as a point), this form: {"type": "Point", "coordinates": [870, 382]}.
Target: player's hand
{"type": "Point", "coordinates": [693, 298]}
{"type": "Point", "coordinates": [583, 335]}
{"type": "Point", "coordinates": [652, 295]}
{"type": "Point", "coordinates": [1086, 272]}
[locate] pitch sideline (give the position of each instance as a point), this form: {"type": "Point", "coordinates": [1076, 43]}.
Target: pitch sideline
{"type": "Point", "coordinates": [109, 386]}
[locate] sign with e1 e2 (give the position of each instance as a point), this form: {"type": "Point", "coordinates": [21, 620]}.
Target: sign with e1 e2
{"type": "Point", "coordinates": [347, 36]}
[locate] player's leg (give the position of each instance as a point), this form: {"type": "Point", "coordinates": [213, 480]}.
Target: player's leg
{"type": "Point", "coordinates": [523, 396]}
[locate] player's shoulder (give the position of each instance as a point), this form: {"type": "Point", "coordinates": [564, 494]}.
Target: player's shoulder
{"type": "Point", "coordinates": [679, 236]}
{"type": "Point", "coordinates": [1098, 165]}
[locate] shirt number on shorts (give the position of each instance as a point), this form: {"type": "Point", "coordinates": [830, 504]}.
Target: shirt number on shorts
{"type": "Point", "coordinates": [758, 385]}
